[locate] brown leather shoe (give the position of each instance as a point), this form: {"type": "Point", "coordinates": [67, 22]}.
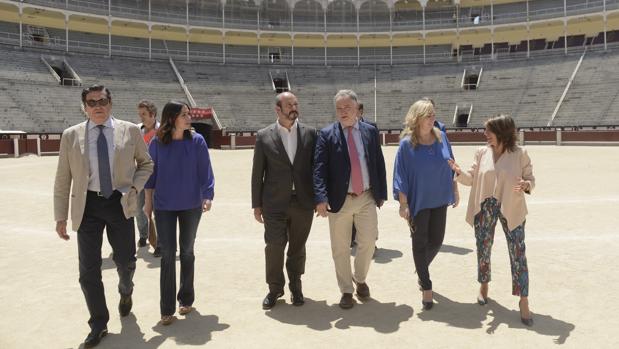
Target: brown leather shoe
{"type": "Point", "coordinates": [346, 302]}
{"type": "Point", "coordinates": [363, 291]}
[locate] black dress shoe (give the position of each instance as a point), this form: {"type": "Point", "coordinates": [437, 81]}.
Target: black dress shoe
{"type": "Point", "coordinates": [157, 252]}
{"type": "Point", "coordinates": [346, 302]}
{"type": "Point", "coordinates": [142, 242]}
{"type": "Point", "coordinates": [271, 299]}
{"type": "Point", "coordinates": [297, 298]}
{"type": "Point", "coordinates": [94, 337]}
{"type": "Point", "coordinates": [363, 290]}
{"type": "Point", "coordinates": [125, 304]}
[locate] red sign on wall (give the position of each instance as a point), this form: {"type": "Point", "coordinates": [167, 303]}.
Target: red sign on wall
{"type": "Point", "coordinates": [201, 113]}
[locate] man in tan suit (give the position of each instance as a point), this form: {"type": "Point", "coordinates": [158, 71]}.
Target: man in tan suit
{"type": "Point", "coordinates": [107, 163]}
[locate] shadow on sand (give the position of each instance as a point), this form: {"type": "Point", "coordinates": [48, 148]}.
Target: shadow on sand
{"type": "Point", "coordinates": [317, 315]}
{"type": "Point", "coordinates": [195, 329]}
{"type": "Point", "coordinates": [472, 316]}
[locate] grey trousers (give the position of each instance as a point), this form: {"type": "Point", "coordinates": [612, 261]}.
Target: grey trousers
{"type": "Point", "coordinates": [290, 227]}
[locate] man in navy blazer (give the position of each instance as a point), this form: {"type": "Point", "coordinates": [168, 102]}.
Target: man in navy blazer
{"type": "Point", "coordinates": [349, 189]}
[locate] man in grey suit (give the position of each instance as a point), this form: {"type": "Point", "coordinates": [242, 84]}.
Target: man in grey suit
{"type": "Point", "coordinates": [283, 196]}
{"type": "Point", "coordinates": [102, 165]}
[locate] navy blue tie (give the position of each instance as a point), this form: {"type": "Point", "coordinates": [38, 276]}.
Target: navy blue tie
{"type": "Point", "coordinates": [105, 175]}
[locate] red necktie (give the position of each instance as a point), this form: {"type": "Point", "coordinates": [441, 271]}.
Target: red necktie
{"type": "Point", "coordinates": [355, 165]}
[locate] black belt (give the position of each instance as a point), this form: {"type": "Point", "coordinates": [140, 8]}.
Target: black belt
{"type": "Point", "coordinates": [100, 194]}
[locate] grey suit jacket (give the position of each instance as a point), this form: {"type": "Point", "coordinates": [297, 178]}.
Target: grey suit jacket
{"type": "Point", "coordinates": [132, 168]}
{"type": "Point", "coordinates": [273, 174]}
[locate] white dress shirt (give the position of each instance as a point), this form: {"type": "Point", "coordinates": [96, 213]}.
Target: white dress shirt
{"type": "Point", "coordinates": [290, 139]}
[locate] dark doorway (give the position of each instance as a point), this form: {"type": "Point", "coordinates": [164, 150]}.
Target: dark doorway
{"type": "Point", "coordinates": [205, 131]}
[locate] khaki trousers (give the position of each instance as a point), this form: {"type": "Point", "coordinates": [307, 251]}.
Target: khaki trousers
{"type": "Point", "coordinates": [362, 211]}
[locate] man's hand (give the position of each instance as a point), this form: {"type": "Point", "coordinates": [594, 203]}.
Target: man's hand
{"type": "Point", "coordinates": [206, 205]}
{"type": "Point", "coordinates": [321, 209]}
{"type": "Point", "coordinates": [61, 230]}
{"type": "Point", "coordinates": [258, 214]}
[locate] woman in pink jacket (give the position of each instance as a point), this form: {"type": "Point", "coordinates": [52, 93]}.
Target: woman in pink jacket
{"type": "Point", "coordinates": [499, 177]}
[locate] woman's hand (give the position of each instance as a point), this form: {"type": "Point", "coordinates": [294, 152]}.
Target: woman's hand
{"type": "Point", "coordinates": [206, 205]}
{"type": "Point", "coordinates": [522, 186]}
{"type": "Point", "coordinates": [148, 208]}
{"type": "Point", "coordinates": [404, 212]}
{"type": "Point", "coordinates": [454, 166]}
{"type": "Point", "coordinates": [456, 198]}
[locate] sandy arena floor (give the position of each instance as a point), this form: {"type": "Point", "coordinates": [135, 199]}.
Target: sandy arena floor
{"type": "Point", "coordinates": [572, 243]}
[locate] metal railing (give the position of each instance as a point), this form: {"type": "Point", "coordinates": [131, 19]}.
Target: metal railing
{"type": "Point", "coordinates": [402, 20]}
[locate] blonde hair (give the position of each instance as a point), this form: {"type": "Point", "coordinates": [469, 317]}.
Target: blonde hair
{"type": "Point", "coordinates": [421, 109]}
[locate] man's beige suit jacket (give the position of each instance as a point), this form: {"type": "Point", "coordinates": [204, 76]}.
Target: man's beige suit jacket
{"type": "Point", "coordinates": [132, 168]}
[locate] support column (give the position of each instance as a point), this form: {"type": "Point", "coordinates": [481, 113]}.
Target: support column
{"type": "Point", "coordinates": [605, 25]}
{"type": "Point", "coordinates": [390, 48]}
{"type": "Point", "coordinates": [492, 30]}
{"type": "Point", "coordinates": [325, 44]}
{"type": "Point", "coordinates": [357, 5]}
{"type": "Point", "coordinates": [565, 27]}
{"type": "Point", "coordinates": [358, 51]}
{"type": "Point", "coordinates": [21, 26]}
{"type": "Point", "coordinates": [390, 4]}
{"type": "Point", "coordinates": [150, 40]}
{"type": "Point", "coordinates": [528, 32]}
{"type": "Point", "coordinates": [109, 28]}
{"type": "Point", "coordinates": [223, 31]}
{"type": "Point", "coordinates": [66, 32]}
{"type": "Point", "coordinates": [187, 30]}
{"type": "Point", "coordinates": [187, 44]}
{"type": "Point", "coordinates": [423, 28]}
{"type": "Point", "coordinates": [109, 37]}
{"type": "Point", "coordinates": [292, 50]}
{"type": "Point", "coordinates": [457, 32]}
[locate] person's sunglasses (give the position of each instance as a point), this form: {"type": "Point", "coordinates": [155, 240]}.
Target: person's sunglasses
{"type": "Point", "coordinates": [101, 102]}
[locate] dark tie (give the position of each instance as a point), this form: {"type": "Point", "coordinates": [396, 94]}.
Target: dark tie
{"type": "Point", "coordinates": [105, 175]}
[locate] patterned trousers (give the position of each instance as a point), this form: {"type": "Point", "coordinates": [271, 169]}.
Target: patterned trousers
{"type": "Point", "coordinates": [485, 222]}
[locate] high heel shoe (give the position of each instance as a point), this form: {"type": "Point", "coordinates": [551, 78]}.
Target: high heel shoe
{"type": "Point", "coordinates": [481, 300]}
{"type": "Point", "coordinates": [427, 305]}
{"type": "Point", "coordinates": [526, 321]}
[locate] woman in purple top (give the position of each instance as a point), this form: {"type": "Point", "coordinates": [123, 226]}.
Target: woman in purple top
{"type": "Point", "coordinates": [180, 189]}
{"type": "Point", "coordinates": [423, 184]}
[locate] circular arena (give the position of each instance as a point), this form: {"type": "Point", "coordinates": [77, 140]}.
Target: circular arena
{"type": "Point", "coordinates": [551, 64]}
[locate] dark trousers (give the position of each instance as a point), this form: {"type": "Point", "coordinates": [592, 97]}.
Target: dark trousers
{"type": "Point", "coordinates": [427, 232]}
{"type": "Point", "coordinates": [291, 227]}
{"type": "Point", "coordinates": [101, 213]}
{"type": "Point", "coordinates": [188, 221]}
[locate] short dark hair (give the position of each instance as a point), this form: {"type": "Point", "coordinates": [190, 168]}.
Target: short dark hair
{"type": "Point", "coordinates": [96, 88]}
{"type": "Point", "coordinates": [148, 105]}
{"type": "Point", "coordinates": [360, 106]}
{"type": "Point", "coordinates": [504, 127]}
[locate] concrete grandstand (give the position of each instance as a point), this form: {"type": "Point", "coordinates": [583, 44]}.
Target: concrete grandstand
{"type": "Point", "coordinates": [547, 62]}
